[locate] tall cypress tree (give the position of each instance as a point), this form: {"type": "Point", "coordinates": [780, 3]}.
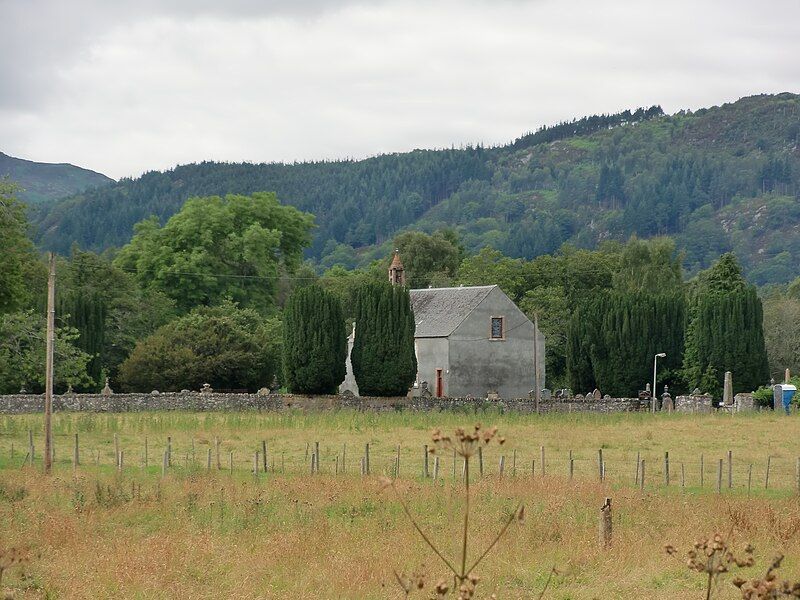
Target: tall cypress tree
{"type": "Point", "coordinates": [614, 335]}
{"type": "Point", "coordinates": [314, 342]}
{"type": "Point", "coordinates": [725, 331]}
{"type": "Point", "coordinates": [384, 362]}
{"type": "Point", "coordinates": [85, 310]}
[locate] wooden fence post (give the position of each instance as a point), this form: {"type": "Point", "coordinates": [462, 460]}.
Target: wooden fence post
{"type": "Point", "coordinates": [216, 451]}
{"type": "Point", "coordinates": [344, 458]}
{"type": "Point", "coordinates": [316, 452]}
{"type": "Point", "coordinates": [766, 478]}
{"type": "Point", "coordinates": [425, 461]}
{"type": "Point", "coordinates": [366, 459]}
{"type": "Point", "coordinates": [76, 457]}
{"type": "Point", "coordinates": [30, 446]}
{"type": "Point", "coordinates": [145, 452]}
{"type": "Point", "coordinates": [514, 464]}
{"type": "Point", "coordinates": [255, 465]}
{"type": "Point", "coordinates": [702, 471]}
{"type": "Point", "coordinates": [730, 469]}
{"type": "Point", "coordinates": [120, 460]}
{"type": "Point", "coordinates": [683, 477]}
{"type": "Point", "coordinates": [397, 465]}
{"type": "Point", "coordinates": [164, 464]}
{"type": "Point", "coordinates": [480, 460]}
{"type": "Point", "coordinates": [230, 462]}
{"type": "Point", "coordinates": [541, 458]}
{"type": "Point", "coordinates": [571, 466]}
{"type": "Point", "coordinates": [797, 474]}
{"type": "Point", "coordinates": [435, 468]}
{"type": "Point", "coordinates": [169, 451]}
{"type": "Point", "coordinates": [719, 477]}
{"type": "Point", "coordinates": [208, 459]}
{"type": "Point", "coordinates": [264, 453]}
{"type": "Point", "coordinates": [605, 524]}
{"type": "Point", "coordinates": [641, 476]}
{"type": "Point", "coordinates": [638, 461]}
{"type": "Point", "coordinates": [749, 478]}
{"type": "Point", "coordinates": [600, 462]}
{"type": "Point", "coordinates": [116, 447]}
{"type": "Point", "coordinates": [502, 464]}
{"type": "Point", "coordinates": [666, 468]}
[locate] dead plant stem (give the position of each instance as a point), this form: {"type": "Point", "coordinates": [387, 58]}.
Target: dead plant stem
{"type": "Point", "coordinates": [422, 533]}
{"type": "Point", "coordinates": [496, 539]}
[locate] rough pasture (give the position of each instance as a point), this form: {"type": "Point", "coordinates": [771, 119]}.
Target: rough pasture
{"type": "Point", "coordinates": [133, 534]}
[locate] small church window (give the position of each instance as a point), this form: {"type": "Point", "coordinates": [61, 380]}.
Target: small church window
{"type": "Point", "coordinates": [498, 332]}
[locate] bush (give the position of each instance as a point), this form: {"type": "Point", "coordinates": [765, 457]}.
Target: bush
{"type": "Point", "coordinates": [224, 346]}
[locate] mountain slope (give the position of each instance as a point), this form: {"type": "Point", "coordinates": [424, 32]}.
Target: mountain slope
{"type": "Point", "coordinates": [717, 179]}
{"type": "Point", "coordinates": [48, 181]}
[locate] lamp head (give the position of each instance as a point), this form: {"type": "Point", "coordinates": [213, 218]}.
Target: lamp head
{"type": "Point", "coordinates": [661, 354]}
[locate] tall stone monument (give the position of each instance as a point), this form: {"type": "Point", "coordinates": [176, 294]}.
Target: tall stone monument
{"type": "Point", "coordinates": [727, 390]}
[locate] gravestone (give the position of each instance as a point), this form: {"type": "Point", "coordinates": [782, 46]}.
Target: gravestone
{"type": "Point", "coordinates": [744, 402]}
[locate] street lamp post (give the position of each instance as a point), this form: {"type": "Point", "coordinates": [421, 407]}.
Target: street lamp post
{"type": "Point", "coordinates": [655, 366]}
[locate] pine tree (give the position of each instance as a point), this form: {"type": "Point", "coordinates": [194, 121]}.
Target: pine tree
{"type": "Point", "coordinates": [314, 342]}
{"type": "Point", "coordinates": [384, 362]}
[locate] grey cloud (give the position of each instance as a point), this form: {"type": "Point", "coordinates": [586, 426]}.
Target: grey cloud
{"type": "Point", "coordinates": [123, 87]}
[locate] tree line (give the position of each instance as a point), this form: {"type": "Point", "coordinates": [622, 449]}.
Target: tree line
{"type": "Point", "coordinates": [220, 294]}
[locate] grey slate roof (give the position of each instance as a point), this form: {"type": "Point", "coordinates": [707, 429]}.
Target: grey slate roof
{"type": "Point", "coordinates": [438, 311]}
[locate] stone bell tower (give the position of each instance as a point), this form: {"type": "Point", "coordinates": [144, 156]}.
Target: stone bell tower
{"type": "Point", "coordinates": [397, 274]}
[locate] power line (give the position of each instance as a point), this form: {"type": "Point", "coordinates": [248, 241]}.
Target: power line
{"type": "Point", "coordinates": [228, 275]}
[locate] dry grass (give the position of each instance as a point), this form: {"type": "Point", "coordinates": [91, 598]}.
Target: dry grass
{"type": "Point", "coordinates": [196, 535]}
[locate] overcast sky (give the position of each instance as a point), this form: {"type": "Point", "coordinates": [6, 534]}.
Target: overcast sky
{"type": "Point", "coordinates": [124, 86]}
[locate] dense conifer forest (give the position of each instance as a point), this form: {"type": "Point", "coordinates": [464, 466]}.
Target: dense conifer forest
{"type": "Point", "coordinates": [720, 179]}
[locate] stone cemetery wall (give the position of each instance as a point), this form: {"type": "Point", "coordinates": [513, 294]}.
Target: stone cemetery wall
{"type": "Point", "coordinates": [210, 401]}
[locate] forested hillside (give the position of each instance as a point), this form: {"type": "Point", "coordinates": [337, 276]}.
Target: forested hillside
{"type": "Point", "coordinates": [719, 179]}
{"type": "Point", "coordinates": [40, 182]}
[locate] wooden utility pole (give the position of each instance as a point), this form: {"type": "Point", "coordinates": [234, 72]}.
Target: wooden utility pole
{"type": "Point", "coordinates": [48, 386]}
{"type": "Point", "coordinates": [537, 390]}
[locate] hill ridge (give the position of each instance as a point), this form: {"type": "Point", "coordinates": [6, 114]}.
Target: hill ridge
{"type": "Point", "coordinates": [655, 174]}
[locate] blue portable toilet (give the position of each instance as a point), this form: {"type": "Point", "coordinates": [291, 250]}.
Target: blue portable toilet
{"type": "Point", "coordinates": [782, 395]}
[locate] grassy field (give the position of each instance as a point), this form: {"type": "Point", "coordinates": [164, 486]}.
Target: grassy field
{"type": "Point", "coordinates": [97, 532]}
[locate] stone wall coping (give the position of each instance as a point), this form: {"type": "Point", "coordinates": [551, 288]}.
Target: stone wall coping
{"type": "Point", "coordinates": [214, 401]}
